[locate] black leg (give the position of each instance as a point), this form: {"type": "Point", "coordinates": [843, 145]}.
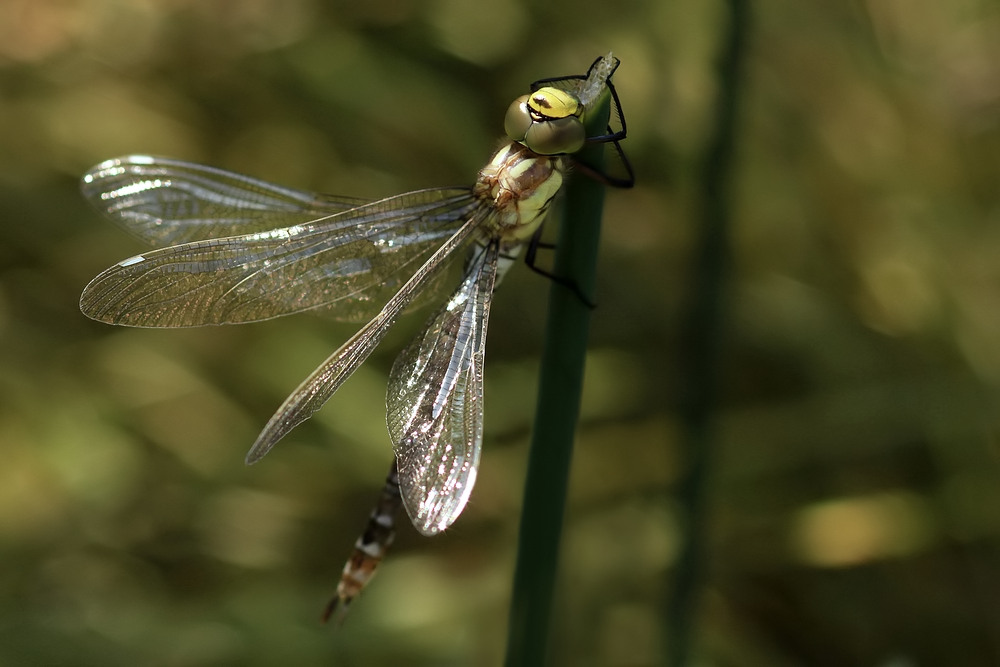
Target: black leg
{"type": "Point", "coordinates": [529, 259]}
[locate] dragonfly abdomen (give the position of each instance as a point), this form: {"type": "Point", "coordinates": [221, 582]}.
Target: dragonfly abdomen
{"type": "Point", "coordinates": [369, 548]}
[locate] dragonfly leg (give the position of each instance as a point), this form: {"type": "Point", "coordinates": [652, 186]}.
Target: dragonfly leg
{"type": "Point", "coordinates": [607, 179]}
{"type": "Point", "coordinates": [532, 254]}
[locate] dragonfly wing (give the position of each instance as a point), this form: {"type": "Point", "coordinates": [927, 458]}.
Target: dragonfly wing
{"type": "Point", "coordinates": [435, 401]}
{"type": "Point", "coordinates": [347, 263]}
{"type": "Point", "coordinates": [317, 389]}
{"type": "Point", "coordinates": [166, 202]}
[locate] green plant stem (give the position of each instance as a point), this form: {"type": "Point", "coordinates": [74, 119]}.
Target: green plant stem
{"type": "Point", "coordinates": [702, 341]}
{"type": "Point", "coordinates": [560, 384]}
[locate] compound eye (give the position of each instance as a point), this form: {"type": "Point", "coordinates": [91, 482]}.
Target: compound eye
{"type": "Point", "coordinates": [559, 135]}
{"type": "Point", "coordinates": [518, 119]}
{"type": "Point", "coordinates": [554, 103]}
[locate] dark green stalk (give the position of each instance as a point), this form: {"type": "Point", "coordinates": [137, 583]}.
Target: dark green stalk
{"type": "Point", "coordinates": [559, 387]}
{"type": "Point", "coordinates": [702, 341]}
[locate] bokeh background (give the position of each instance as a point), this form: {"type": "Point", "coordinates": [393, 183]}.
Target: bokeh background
{"type": "Point", "coordinates": [853, 509]}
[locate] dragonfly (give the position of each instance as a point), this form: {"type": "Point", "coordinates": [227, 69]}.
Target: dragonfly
{"type": "Point", "coordinates": [233, 249]}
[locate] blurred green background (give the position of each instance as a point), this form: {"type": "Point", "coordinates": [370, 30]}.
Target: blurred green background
{"type": "Point", "coordinates": [854, 503]}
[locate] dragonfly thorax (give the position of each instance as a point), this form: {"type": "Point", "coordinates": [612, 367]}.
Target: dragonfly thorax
{"type": "Point", "coordinates": [519, 184]}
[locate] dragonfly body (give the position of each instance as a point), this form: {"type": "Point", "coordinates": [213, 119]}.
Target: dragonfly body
{"type": "Point", "coordinates": [370, 547]}
{"type": "Point", "coordinates": [518, 185]}
{"type": "Point", "coordinates": [234, 249]}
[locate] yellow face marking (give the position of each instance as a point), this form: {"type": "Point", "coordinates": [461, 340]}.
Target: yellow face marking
{"type": "Point", "coordinates": [554, 103]}
{"type": "Point", "coordinates": [548, 122]}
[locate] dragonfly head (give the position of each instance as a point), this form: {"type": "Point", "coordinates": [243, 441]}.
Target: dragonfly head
{"type": "Point", "coordinates": [548, 121]}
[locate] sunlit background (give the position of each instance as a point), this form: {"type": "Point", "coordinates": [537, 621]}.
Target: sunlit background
{"type": "Point", "coordinates": [854, 497]}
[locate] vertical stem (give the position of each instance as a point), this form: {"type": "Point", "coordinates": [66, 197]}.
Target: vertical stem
{"type": "Point", "coordinates": [560, 384]}
{"type": "Point", "coordinates": [702, 340]}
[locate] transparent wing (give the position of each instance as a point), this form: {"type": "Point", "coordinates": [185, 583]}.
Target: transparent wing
{"type": "Point", "coordinates": [347, 264]}
{"type": "Point", "coordinates": [317, 389]}
{"type": "Point", "coordinates": [165, 202]}
{"type": "Point", "coordinates": [435, 401]}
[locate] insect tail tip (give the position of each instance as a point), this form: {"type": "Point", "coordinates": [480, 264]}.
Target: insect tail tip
{"type": "Point", "coordinates": [336, 609]}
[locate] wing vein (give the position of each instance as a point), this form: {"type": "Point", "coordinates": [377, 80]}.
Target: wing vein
{"type": "Point", "coordinates": [321, 384]}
